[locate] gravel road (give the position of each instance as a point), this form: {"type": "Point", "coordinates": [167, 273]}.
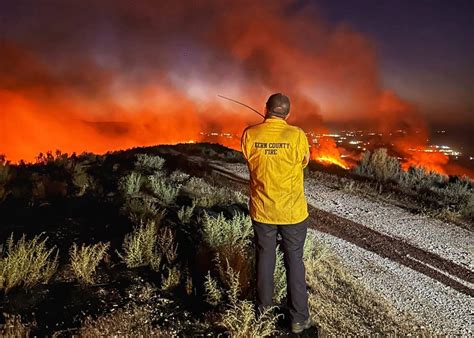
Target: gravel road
{"type": "Point", "coordinates": [424, 266]}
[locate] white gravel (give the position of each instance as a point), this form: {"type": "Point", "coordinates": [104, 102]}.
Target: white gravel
{"type": "Point", "coordinates": [439, 306]}
{"type": "Point", "coordinates": [444, 239]}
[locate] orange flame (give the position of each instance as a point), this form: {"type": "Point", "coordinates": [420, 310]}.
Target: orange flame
{"type": "Point", "coordinates": [326, 152]}
{"type": "Point", "coordinates": [429, 161]}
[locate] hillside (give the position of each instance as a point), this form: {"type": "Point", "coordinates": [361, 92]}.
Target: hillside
{"type": "Point", "coordinates": [157, 240]}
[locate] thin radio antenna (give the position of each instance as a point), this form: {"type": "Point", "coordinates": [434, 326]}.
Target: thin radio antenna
{"type": "Point", "coordinates": [242, 104]}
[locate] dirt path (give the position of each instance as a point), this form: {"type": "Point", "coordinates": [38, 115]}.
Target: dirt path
{"type": "Point", "coordinates": [422, 265]}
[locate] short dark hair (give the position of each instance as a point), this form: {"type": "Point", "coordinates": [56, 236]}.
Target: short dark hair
{"type": "Point", "coordinates": [278, 105]}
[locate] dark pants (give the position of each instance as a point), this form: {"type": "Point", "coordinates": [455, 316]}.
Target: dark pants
{"type": "Point", "coordinates": [293, 237]}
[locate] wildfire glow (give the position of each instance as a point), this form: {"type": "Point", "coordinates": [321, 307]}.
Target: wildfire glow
{"type": "Point", "coordinates": [430, 161]}
{"type": "Point", "coordinates": [126, 81]}
{"type": "Point", "coordinates": [325, 151]}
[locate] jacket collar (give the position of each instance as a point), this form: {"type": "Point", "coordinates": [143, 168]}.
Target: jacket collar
{"type": "Point", "coordinates": [274, 120]}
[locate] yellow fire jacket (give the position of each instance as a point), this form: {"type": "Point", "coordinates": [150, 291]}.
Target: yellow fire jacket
{"type": "Point", "coordinates": [275, 154]}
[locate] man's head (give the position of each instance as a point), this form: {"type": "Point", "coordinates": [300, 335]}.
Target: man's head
{"type": "Point", "coordinates": [278, 105]}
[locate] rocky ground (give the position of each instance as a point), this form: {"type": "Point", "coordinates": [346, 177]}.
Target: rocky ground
{"type": "Point", "coordinates": [421, 264]}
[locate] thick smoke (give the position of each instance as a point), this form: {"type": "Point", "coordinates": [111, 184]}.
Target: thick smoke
{"type": "Point", "coordinates": [103, 75]}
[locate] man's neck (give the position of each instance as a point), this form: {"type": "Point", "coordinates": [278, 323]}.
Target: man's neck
{"type": "Point", "coordinates": [275, 117]}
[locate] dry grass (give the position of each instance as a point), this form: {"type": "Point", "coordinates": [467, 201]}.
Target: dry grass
{"type": "Point", "coordinates": [341, 305]}
{"type": "Point", "coordinates": [238, 258]}
{"type": "Point", "coordinates": [86, 259]}
{"type": "Point", "coordinates": [135, 321]}
{"type": "Point", "coordinates": [140, 247]}
{"type": "Point", "coordinates": [13, 327]}
{"type": "Point", "coordinates": [27, 263]}
{"type": "Point", "coordinates": [171, 280]}
{"type": "Point", "coordinates": [166, 244]}
{"type": "Point", "coordinates": [241, 320]}
{"type": "Point", "coordinates": [213, 291]}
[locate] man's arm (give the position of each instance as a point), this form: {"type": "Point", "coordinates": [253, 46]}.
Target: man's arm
{"type": "Point", "coordinates": [305, 149]}
{"type": "Point", "coordinates": [306, 159]}
{"type": "Point", "coordinates": [243, 144]}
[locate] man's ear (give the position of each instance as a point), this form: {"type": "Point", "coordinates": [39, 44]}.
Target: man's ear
{"type": "Point", "coordinates": [287, 116]}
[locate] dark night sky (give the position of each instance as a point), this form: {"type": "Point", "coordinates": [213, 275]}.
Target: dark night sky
{"type": "Point", "coordinates": [425, 48]}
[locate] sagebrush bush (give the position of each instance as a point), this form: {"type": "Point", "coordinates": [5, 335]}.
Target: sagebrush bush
{"type": "Point", "coordinates": [240, 258]}
{"type": "Point", "coordinates": [219, 231]}
{"type": "Point", "coordinates": [163, 189]}
{"type": "Point", "coordinates": [171, 280]}
{"type": "Point", "coordinates": [185, 213]}
{"type": "Point", "coordinates": [84, 260]}
{"type": "Point", "coordinates": [451, 195]}
{"type": "Point", "coordinates": [213, 291]}
{"type": "Point", "coordinates": [207, 196]}
{"type": "Point", "coordinates": [179, 177]}
{"type": "Point", "coordinates": [467, 210]}
{"type": "Point", "coordinates": [130, 184]}
{"type": "Point", "coordinates": [27, 263]}
{"type": "Point", "coordinates": [140, 247]}
{"type": "Point", "coordinates": [82, 180]}
{"type": "Point", "coordinates": [141, 208]}
{"type": "Point", "coordinates": [241, 320]}
{"type": "Point", "coordinates": [379, 165]}
{"type": "Point", "coordinates": [233, 284]}
{"type": "Point", "coordinates": [149, 164]}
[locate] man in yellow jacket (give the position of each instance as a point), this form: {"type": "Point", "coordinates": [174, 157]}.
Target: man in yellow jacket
{"type": "Point", "coordinates": [276, 154]}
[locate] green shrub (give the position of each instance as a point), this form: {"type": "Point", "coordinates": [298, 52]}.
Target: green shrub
{"type": "Point", "coordinates": [185, 213]}
{"type": "Point", "coordinates": [219, 231]}
{"type": "Point", "coordinates": [207, 196]}
{"type": "Point", "coordinates": [163, 190]}
{"type": "Point", "coordinates": [27, 263]}
{"type": "Point", "coordinates": [82, 180]}
{"type": "Point", "coordinates": [379, 166]}
{"type": "Point", "coordinates": [141, 208]}
{"type": "Point", "coordinates": [467, 210]}
{"type": "Point", "coordinates": [452, 195]}
{"type": "Point", "coordinates": [86, 259]}
{"type": "Point", "coordinates": [179, 177]}
{"type": "Point", "coordinates": [149, 164]}
{"type": "Point", "coordinates": [171, 280]}
{"type": "Point", "coordinates": [130, 185]}
{"type": "Point", "coordinates": [140, 247]}
{"type": "Point", "coordinates": [241, 320]}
